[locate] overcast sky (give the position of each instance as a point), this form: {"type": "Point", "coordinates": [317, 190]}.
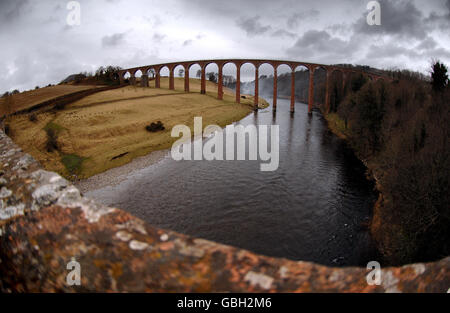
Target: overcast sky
{"type": "Point", "coordinates": [38, 47]}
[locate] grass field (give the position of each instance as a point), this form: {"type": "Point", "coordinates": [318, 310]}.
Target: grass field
{"type": "Point", "coordinates": [30, 98]}
{"type": "Point", "coordinates": [107, 129]}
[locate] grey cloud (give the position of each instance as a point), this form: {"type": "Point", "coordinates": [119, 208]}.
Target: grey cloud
{"type": "Point", "coordinates": [400, 18]}
{"type": "Point", "coordinates": [315, 39]}
{"type": "Point", "coordinates": [252, 26]}
{"type": "Point", "coordinates": [381, 56]}
{"type": "Point", "coordinates": [440, 19]}
{"type": "Point", "coordinates": [283, 33]}
{"type": "Point", "coordinates": [382, 52]}
{"type": "Point", "coordinates": [427, 44]}
{"type": "Point", "coordinates": [51, 50]}
{"type": "Point", "coordinates": [154, 21]}
{"type": "Point", "coordinates": [401, 22]}
{"type": "Point", "coordinates": [265, 8]}
{"type": "Point", "coordinates": [187, 42]}
{"type": "Point", "coordinates": [11, 10]}
{"type": "Point", "coordinates": [320, 44]}
{"type": "Point", "coordinates": [343, 28]}
{"type": "Point", "coordinates": [113, 40]}
{"type": "Point", "coordinates": [295, 19]}
{"type": "Point", "coordinates": [229, 7]}
{"type": "Point", "coordinates": [157, 37]}
{"type": "Point", "coordinates": [47, 68]}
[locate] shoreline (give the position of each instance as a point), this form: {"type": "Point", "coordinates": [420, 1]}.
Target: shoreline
{"type": "Point", "coordinates": [105, 187]}
{"type": "Point", "coordinates": [370, 176]}
{"type": "Point", "coordinates": [116, 175]}
{"type": "Point", "coordinates": [107, 130]}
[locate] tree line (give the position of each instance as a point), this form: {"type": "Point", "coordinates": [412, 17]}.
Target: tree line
{"type": "Point", "coordinates": [402, 129]}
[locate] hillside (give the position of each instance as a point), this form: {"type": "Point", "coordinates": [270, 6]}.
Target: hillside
{"type": "Point", "coordinates": [401, 129]}
{"type": "Point", "coordinates": [28, 99]}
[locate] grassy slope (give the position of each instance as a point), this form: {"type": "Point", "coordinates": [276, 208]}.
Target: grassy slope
{"type": "Point", "coordinates": [94, 130]}
{"type": "Point", "coordinates": [30, 98]}
{"type": "Point", "coordinates": [337, 125]}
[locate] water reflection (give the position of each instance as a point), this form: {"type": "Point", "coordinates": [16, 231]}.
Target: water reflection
{"type": "Point", "coordinates": [310, 209]}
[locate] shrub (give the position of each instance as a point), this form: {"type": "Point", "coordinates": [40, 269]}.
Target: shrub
{"type": "Point", "coordinates": [32, 117]}
{"type": "Point", "coordinates": [52, 140]}
{"type": "Point", "coordinates": [155, 127]}
{"type": "Point", "coordinates": [61, 105]}
{"type": "Point", "coordinates": [108, 75]}
{"type": "Point", "coordinates": [357, 82]}
{"type": "Point", "coordinates": [73, 163]}
{"type": "Point", "coordinates": [7, 129]}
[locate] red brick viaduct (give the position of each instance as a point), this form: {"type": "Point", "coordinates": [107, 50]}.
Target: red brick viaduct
{"type": "Point", "coordinates": [186, 65]}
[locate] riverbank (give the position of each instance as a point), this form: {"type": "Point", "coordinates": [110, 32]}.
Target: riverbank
{"type": "Point", "coordinates": [337, 127]}
{"type": "Point", "coordinates": [120, 253]}
{"type": "Point", "coordinates": [400, 131]}
{"type": "Point", "coordinates": [116, 175]}
{"type": "Point", "coordinates": [308, 194]}
{"type": "Point", "coordinates": [108, 129]}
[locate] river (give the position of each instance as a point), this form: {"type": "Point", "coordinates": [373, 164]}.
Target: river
{"type": "Point", "coordinates": [313, 208]}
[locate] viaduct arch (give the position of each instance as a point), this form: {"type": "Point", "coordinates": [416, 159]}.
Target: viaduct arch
{"type": "Point", "coordinates": [186, 65]}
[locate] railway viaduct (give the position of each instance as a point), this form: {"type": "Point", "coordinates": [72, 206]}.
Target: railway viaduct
{"type": "Point", "coordinates": [293, 65]}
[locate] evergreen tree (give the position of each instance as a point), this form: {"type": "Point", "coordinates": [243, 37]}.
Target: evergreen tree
{"type": "Point", "coordinates": [439, 76]}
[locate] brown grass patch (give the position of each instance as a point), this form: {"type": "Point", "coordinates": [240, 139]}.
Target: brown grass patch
{"type": "Point", "coordinates": [99, 127]}
{"type": "Point", "coordinates": [30, 98]}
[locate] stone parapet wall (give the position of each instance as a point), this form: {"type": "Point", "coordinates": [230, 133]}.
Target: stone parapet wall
{"type": "Point", "coordinates": [45, 223]}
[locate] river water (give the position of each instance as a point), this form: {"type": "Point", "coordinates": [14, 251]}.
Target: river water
{"type": "Point", "coordinates": [312, 208]}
